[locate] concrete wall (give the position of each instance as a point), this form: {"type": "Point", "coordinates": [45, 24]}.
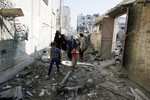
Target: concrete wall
{"type": "Point", "coordinates": [96, 41]}
{"type": "Point", "coordinates": [41, 21]}
{"type": "Point", "coordinates": [137, 48]}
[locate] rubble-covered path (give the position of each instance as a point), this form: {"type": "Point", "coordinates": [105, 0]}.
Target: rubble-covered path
{"type": "Point", "coordinates": [92, 80]}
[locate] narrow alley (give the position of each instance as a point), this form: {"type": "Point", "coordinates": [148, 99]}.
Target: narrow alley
{"type": "Point", "coordinates": [92, 80]}
{"type": "Point", "coordinates": [74, 50]}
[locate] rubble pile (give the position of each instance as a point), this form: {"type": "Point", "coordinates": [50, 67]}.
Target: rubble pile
{"type": "Point", "coordinates": [89, 81]}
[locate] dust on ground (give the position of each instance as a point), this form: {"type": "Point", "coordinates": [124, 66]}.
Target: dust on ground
{"type": "Point", "coordinates": [92, 80]}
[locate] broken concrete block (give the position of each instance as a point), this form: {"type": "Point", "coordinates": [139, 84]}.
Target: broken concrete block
{"type": "Point", "coordinates": [142, 94]}
{"type": "Point", "coordinates": [53, 88]}
{"type": "Point", "coordinates": [28, 83]}
{"type": "Point", "coordinates": [15, 93]}
{"type": "Point", "coordinates": [36, 76]}
{"type": "Point", "coordinates": [64, 80]}
{"type": "Point", "coordinates": [93, 94]}
{"type": "Point", "coordinates": [123, 75]}
{"type": "Point", "coordinates": [29, 93]}
{"type": "Point", "coordinates": [43, 91]}
{"type": "Point", "coordinates": [136, 95]}
{"type": "Point", "coordinates": [7, 87]}
{"type": "Point", "coordinates": [24, 73]}
{"type": "Point", "coordinates": [89, 83]}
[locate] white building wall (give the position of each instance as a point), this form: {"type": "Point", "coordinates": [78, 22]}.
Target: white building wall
{"type": "Point", "coordinates": [41, 21]}
{"type": "Point", "coordinates": [86, 22]}
{"type": "Point", "coordinates": [38, 17]}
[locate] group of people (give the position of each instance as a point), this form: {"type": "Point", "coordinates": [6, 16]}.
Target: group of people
{"type": "Point", "coordinates": [73, 47]}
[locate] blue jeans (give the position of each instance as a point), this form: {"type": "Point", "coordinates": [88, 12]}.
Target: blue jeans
{"type": "Point", "coordinates": [51, 65]}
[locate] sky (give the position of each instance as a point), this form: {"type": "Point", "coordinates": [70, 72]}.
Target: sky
{"type": "Point", "coordinates": [88, 7]}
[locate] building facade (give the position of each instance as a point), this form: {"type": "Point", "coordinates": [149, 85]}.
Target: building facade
{"type": "Point", "coordinates": [85, 23]}
{"type": "Point", "coordinates": [63, 19]}
{"type": "Point", "coordinates": [137, 41]}
{"type": "Point", "coordinates": [22, 37]}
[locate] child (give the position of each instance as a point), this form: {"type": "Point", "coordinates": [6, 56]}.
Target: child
{"type": "Point", "coordinates": [74, 53]}
{"type": "Point", "coordinates": [55, 56]}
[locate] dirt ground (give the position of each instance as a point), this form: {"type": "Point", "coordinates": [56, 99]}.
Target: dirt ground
{"type": "Point", "coordinates": [92, 80]}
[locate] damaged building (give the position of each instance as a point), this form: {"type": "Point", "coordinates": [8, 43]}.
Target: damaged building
{"type": "Point", "coordinates": [26, 27]}
{"type": "Point", "coordinates": [135, 55]}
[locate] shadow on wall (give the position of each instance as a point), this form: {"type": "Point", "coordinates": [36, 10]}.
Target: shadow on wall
{"type": "Point", "coordinates": [13, 56]}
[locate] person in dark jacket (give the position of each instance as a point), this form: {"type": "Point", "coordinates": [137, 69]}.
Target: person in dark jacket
{"type": "Point", "coordinates": [71, 45]}
{"type": "Point", "coordinates": [58, 39]}
{"type": "Point", "coordinates": [64, 44]}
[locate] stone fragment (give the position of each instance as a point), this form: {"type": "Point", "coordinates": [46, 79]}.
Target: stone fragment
{"type": "Point", "coordinates": [89, 83]}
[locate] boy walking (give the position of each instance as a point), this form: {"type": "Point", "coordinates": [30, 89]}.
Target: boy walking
{"type": "Point", "coordinates": [74, 53]}
{"type": "Point", "coordinates": [55, 57]}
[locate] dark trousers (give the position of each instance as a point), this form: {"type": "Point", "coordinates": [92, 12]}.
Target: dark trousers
{"type": "Point", "coordinates": [81, 52]}
{"type": "Point", "coordinates": [51, 65]}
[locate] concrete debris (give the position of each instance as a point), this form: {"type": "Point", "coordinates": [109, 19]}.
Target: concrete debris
{"type": "Point", "coordinates": [43, 91]}
{"type": "Point", "coordinates": [36, 76]}
{"type": "Point", "coordinates": [15, 93]}
{"type": "Point", "coordinates": [48, 93]}
{"type": "Point", "coordinates": [7, 87]}
{"type": "Point", "coordinates": [95, 52]}
{"type": "Point", "coordinates": [64, 80]}
{"type": "Point", "coordinates": [98, 84]}
{"type": "Point", "coordinates": [113, 91]}
{"type": "Point", "coordinates": [73, 89]}
{"type": "Point", "coordinates": [29, 93]}
{"type": "Point", "coordinates": [81, 97]}
{"type": "Point", "coordinates": [93, 94]}
{"type": "Point", "coordinates": [25, 73]}
{"type": "Point", "coordinates": [85, 64]}
{"type": "Point", "coordinates": [97, 87]}
{"type": "Point", "coordinates": [139, 95]}
{"type": "Point", "coordinates": [142, 94]}
{"type": "Point", "coordinates": [53, 88]}
{"type": "Point", "coordinates": [28, 83]}
{"type": "Point", "coordinates": [17, 76]}
{"type": "Point", "coordinates": [121, 81]}
{"type": "Point", "coordinates": [89, 83]}
{"type": "Point", "coordinates": [54, 84]}
{"type": "Point", "coordinates": [123, 75]}
{"type": "Point", "coordinates": [53, 79]}
{"type": "Point", "coordinates": [88, 68]}
{"type": "Point", "coordinates": [136, 95]}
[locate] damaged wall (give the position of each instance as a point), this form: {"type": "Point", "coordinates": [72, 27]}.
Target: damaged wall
{"type": "Point", "coordinates": [96, 40]}
{"type": "Point", "coordinates": [137, 47]}
{"type": "Point", "coordinates": [39, 18]}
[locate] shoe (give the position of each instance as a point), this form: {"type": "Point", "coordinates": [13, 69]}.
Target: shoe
{"type": "Point", "coordinates": [47, 77]}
